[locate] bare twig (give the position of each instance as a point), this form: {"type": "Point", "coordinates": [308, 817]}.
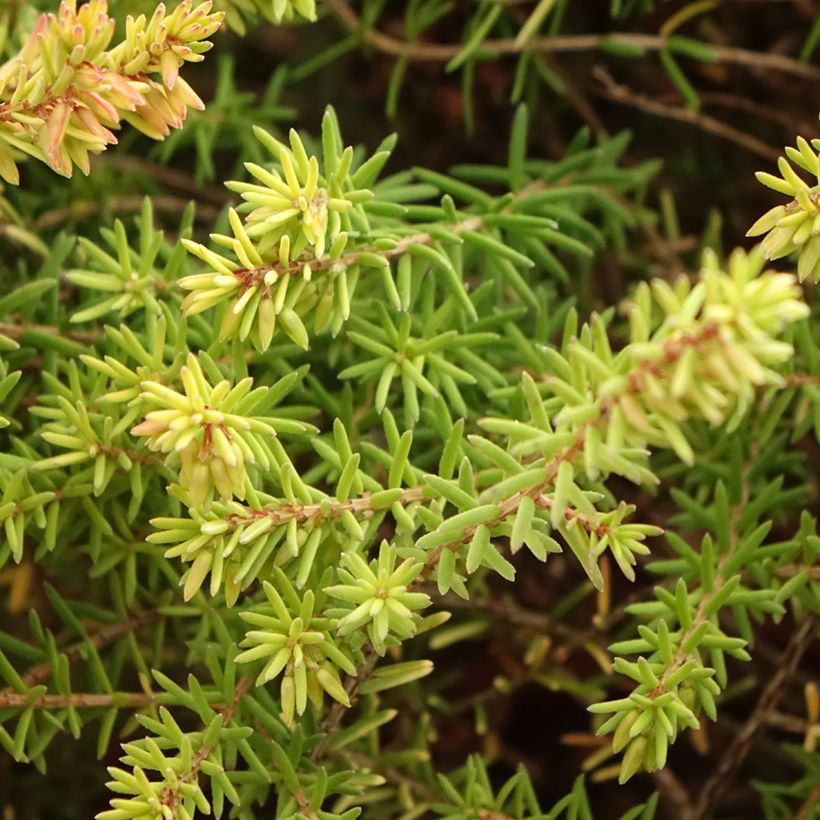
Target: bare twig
{"type": "Point", "coordinates": [434, 52]}
{"type": "Point", "coordinates": [803, 813]}
{"type": "Point", "coordinates": [675, 796]}
{"type": "Point", "coordinates": [78, 700]}
{"type": "Point", "coordinates": [751, 106]}
{"type": "Point", "coordinates": [577, 97]}
{"type": "Point", "coordinates": [172, 178]}
{"type": "Point", "coordinates": [612, 90]}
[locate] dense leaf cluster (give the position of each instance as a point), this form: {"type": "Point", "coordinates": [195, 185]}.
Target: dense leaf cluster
{"type": "Point", "coordinates": [265, 465]}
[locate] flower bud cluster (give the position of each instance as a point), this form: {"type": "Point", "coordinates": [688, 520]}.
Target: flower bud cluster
{"type": "Point", "coordinates": [65, 90]}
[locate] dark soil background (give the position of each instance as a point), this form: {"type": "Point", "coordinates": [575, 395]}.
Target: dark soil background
{"type": "Point", "coordinates": [539, 725]}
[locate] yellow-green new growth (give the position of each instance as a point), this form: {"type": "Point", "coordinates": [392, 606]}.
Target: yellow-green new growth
{"type": "Point", "coordinates": [714, 348]}
{"type": "Point", "coordinates": [260, 296]}
{"type": "Point", "coordinates": [286, 256]}
{"type": "Point", "coordinates": [379, 591]}
{"type": "Point", "coordinates": [297, 647]}
{"type": "Point", "coordinates": [202, 431]}
{"type": "Point", "coordinates": [794, 226]}
{"type": "Point", "coordinates": [296, 200]}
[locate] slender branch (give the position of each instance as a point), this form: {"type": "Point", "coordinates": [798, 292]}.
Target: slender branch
{"type": "Point", "coordinates": [731, 761]}
{"type": "Point", "coordinates": [18, 330]}
{"type": "Point", "coordinates": [335, 715]}
{"type": "Point", "coordinates": [297, 267]}
{"type": "Point", "coordinates": [752, 106]}
{"type": "Point", "coordinates": [105, 636]}
{"type": "Point", "coordinates": [577, 97]}
{"type": "Point", "coordinates": [788, 723]}
{"type": "Point", "coordinates": [79, 700]}
{"type": "Point", "coordinates": [795, 569]}
{"type": "Point", "coordinates": [432, 52]}
{"type": "Point", "coordinates": [790, 380]}
{"type": "Point", "coordinates": [672, 349]}
{"type": "Point", "coordinates": [674, 793]}
{"type": "Point", "coordinates": [170, 795]}
{"type": "Point", "coordinates": [171, 177]}
{"type": "Point", "coordinates": [282, 513]}
{"type": "Point", "coordinates": [304, 804]}
{"type": "Point", "coordinates": [801, 379]}
{"type": "Point", "coordinates": [613, 90]}
{"type": "Point", "coordinates": [504, 609]}
{"type": "Point", "coordinates": [805, 811]}
{"type": "Point", "coordinates": [330, 508]}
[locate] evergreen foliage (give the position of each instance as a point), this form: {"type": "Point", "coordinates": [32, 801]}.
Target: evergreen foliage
{"type": "Point", "coordinates": [267, 463]}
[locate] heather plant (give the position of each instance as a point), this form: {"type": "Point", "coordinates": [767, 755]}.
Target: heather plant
{"type": "Point", "coordinates": [278, 462]}
{"type": "Point", "coordinates": [795, 226]}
